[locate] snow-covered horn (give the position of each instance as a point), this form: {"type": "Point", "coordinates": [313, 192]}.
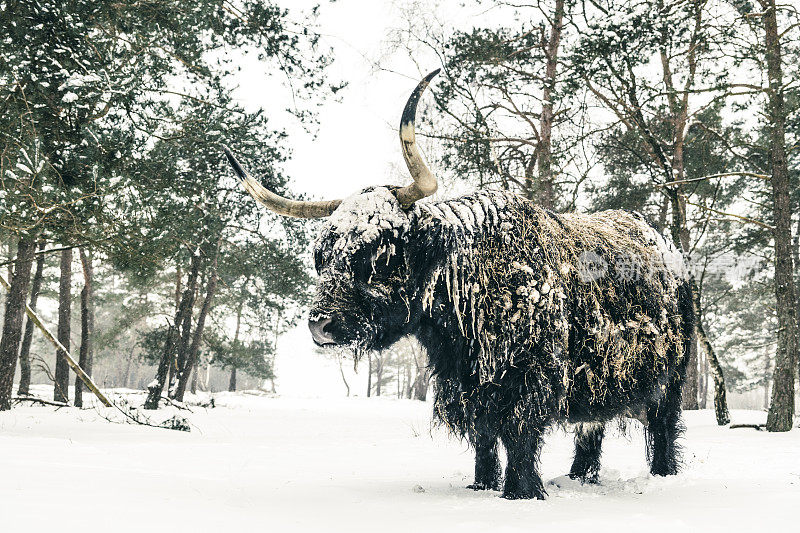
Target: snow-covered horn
{"type": "Point", "coordinates": [279, 204]}
{"type": "Point", "coordinates": [424, 181]}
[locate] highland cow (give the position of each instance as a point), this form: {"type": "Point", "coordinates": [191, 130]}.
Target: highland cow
{"type": "Point", "coordinates": [530, 318]}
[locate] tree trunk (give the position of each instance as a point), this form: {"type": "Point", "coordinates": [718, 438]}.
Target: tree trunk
{"type": "Point", "coordinates": [369, 375]}
{"type": "Point", "coordinates": [232, 382]}
{"type": "Point", "coordinates": [193, 385]}
{"type": "Point", "coordinates": [663, 211]}
{"type": "Point", "coordinates": [546, 192]}
{"type": "Point", "coordinates": [184, 324]}
{"type": "Point", "coordinates": [178, 276]}
{"type": "Point", "coordinates": [156, 387]}
{"type": "Point", "coordinates": [680, 235]}
{"type": "Point", "coordinates": [421, 385]}
{"type": "Point", "coordinates": [239, 309]}
{"type": "Point", "coordinates": [399, 372]}
{"type": "Point", "coordinates": [689, 398]}
{"type": "Point", "coordinates": [702, 376]}
{"type": "Point", "coordinates": [274, 354]}
{"type": "Point", "coordinates": [127, 376]}
{"type": "Point", "coordinates": [344, 378]}
{"type": "Point", "coordinates": [86, 357]}
{"type": "Point", "coordinates": [194, 350]}
{"type": "Point", "coordinates": [10, 266]}
{"type": "Point", "coordinates": [767, 378]}
{"type": "Point", "coordinates": [720, 397]}
{"type": "Point", "coordinates": [781, 409]}
{"type": "Point", "coordinates": [61, 384]}
{"type": "Point", "coordinates": [378, 373]}
{"type": "Point", "coordinates": [706, 373]}
{"type": "Point", "coordinates": [27, 339]}
{"type": "Point", "coordinates": [676, 170]}
{"type": "Point", "coordinates": [408, 383]}
{"type": "Point", "coordinates": [796, 262]}
{"type": "Point", "coordinates": [12, 319]}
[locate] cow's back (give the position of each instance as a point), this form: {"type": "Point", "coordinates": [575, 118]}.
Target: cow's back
{"type": "Point", "coordinates": [562, 316]}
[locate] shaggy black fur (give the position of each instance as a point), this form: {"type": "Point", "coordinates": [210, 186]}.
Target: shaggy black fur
{"type": "Point", "coordinates": [487, 463]}
{"type": "Point", "coordinates": [588, 447]}
{"type": "Point", "coordinates": [518, 337]}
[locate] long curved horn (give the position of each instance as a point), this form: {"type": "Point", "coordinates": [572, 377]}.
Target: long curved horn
{"type": "Point", "coordinates": [424, 180]}
{"type": "Point", "coordinates": [279, 204]}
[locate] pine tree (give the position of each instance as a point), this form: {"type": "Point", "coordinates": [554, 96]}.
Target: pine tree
{"type": "Point", "coordinates": [504, 116]}
{"type": "Point", "coordinates": [91, 110]}
{"type": "Point", "coordinates": [611, 60]}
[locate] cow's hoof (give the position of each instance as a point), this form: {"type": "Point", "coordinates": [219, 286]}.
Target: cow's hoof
{"type": "Point", "coordinates": [591, 479]}
{"type": "Point", "coordinates": [524, 491]}
{"type": "Point", "coordinates": [664, 473]}
{"type": "Point", "coordinates": [523, 495]}
{"type": "Point", "coordinates": [484, 486]}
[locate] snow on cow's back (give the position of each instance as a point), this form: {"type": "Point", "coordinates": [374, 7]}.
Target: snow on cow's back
{"type": "Point", "coordinates": [489, 210]}
{"type": "Point", "coordinates": [662, 251]}
{"type": "Point", "coordinates": [474, 213]}
{"type": "Point", "coordinates": [672, 258]}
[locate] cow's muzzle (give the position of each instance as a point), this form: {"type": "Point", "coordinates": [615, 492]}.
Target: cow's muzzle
{"type": "Point", "coordinates": [320, 331]}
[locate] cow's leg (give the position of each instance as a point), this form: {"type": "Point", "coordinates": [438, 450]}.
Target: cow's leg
{"type": "Point", "coordinates": [588, 445]}
{"type": "Point", "coordinates": [523, 445]}
{"type": "Point", "coordinates": [487, 464]}
{"type": "Point", "coordinates": [664, 427]}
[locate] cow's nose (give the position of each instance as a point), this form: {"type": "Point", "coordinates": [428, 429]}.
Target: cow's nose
{"type": "Point", "coordinates": [318, 332]}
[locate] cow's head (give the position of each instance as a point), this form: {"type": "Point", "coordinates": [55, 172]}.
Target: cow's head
{"type": "Point", "coordinates": [361, 254]}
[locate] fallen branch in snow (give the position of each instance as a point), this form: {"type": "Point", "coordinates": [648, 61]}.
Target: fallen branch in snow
{"type": "Point", "coordinates": [173, 403]}
{"type": "Point", "coordinates": [210, 403]}
{"type": "Point", "coordinates": [257, 392]}
{"type": "Point", "coordinates": [134, 415]}
{"type": "Point", "coordinates": [757, 427]}
{"type": "Point", "coordinates": [34, 399]}
{"type": "Point", "coordinates": [75, 366]}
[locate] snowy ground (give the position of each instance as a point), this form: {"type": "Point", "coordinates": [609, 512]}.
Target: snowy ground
{"type": "Point", "coordinates": [275, 464]}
